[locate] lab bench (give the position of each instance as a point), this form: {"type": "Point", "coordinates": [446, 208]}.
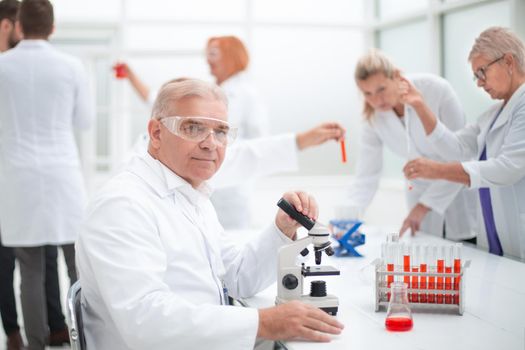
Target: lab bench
{"type": "Point", "coordinates": [494, 296]}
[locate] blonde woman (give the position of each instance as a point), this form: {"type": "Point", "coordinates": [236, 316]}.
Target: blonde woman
{"type": "Point", "coordinates": [391, 121]}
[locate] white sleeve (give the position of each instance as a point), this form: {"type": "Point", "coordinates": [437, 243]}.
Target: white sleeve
{"type": "Point", "coordinates": [256, 158]}
{"type": "Point", "coordinates": [253, 267]}
{"type": "Point", "coordinates": [508, 166]}
{"type": "Point", "coordinates": [439, 195]}
{"type": "Point", "coordinates": [369, 167]}
{"type": "Point", "coordinates": [461, 145]}
{"type": "Point", "coordinates": [450, 111]}
{"type": "Point", "coordinates": [84, 111]}
{"type": "Point", "coordinates": [120, 245]}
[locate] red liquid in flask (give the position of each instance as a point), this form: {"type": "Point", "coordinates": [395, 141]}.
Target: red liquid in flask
{"type": "Point", "coordinates": [399, 324]}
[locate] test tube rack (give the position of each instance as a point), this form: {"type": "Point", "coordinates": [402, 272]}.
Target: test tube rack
{"type": "Point", "coordinates": [456, 294]}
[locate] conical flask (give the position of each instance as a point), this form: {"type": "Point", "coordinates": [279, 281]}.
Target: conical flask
{"type": "Point", "coordinates": [398, 316]}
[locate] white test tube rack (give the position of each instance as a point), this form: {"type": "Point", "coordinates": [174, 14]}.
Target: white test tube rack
{"type": "Point", "coordinates": [381, 288]}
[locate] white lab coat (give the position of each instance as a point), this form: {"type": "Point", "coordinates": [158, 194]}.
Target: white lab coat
{"type": "Point", "coordinates": [503, 171]}
{"type": "Point", "coordinates": [43, 94]}
{"type": "Point", "coordinates": [447, 200]}
{"type": "Point", "coordinates": [245, 111]}
{"type": "Point", "coordinates": [151, 256]}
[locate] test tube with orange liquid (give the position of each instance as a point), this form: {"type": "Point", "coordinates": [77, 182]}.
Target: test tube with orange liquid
{"type": "Point", "coordinates": [406, 266]}
{"type": "Point", "coordinates": [343, 150]}
{"type": "Point", "coordinates": [432, 279]}
{"type": "Point", "coordinates": [415, 268]}
{"type": "Point", "coordinates": [440, 269]}
{"type": "Point", "coordinates": [448, 271]}
{"type": "Point", "coordinates": [457, 269]}
{"type": "Point", "coordinates": [423, 269]}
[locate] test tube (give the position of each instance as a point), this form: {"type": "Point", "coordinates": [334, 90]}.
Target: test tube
{"type": "Point", "coordinates": [382, 281]}
{"type": "Point", "coordinates": [457, 269]}
{"type": "Point", "coordinates": [407, 250]}
{"type": "Point", "coordinates": [343, 151]}
{"type": "Point", "coordinates": [415, 268]}
{"type": "Point", "coordinates": [390, 259]}
{"type": "Point", "coordinates": [448, 270]}
{"type": "Point", "coordinates": [440, 269]}
{"type": "Point", "coordinates": [423, 270]}
{"type": "Point", "coordinates": [432, 279]}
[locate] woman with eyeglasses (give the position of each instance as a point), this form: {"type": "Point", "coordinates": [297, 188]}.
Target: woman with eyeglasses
{"type": "Point", "coordinates": [391, 121]}
{"type": "Point", "coordinates": [488, 155]}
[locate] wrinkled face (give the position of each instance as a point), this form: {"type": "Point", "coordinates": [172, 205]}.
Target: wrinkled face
{"type": "Point", "coordinates": [493, 76]}
{"type": "Point", "coordinates": [380, 92]}
{"type": "Point", "coordinates": [217, 62]}
{"type": "Point", "coordinates": [193, 161]}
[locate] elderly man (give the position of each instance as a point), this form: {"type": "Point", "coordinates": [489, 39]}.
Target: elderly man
{"type": "Point", "coordinates": [153, 263]}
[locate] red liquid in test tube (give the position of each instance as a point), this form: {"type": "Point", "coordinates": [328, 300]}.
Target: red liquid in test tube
{"type": "Point", "coordinates": [432, 279]}
{"type": "Point", "coordinates": [440, 269]}
{"type": "Point", "coordinates": [448, 270]}
{"type": "Point", "coordinates": [406, 266]}
{"type": "Point", "coordinates": [343, 151]}
{"type": "Point", "coordinates": [415, 268]}
{"type": "Point", "coordinates": [457, 269]}
{"type": "Point", "coordinates": [423, 279]}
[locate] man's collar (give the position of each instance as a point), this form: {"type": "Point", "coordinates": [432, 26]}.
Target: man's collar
{"type": "Point", "coordinates": [166, 182]}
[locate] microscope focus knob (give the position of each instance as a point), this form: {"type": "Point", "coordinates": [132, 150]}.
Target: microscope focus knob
{"type": "Point", "coordinates": [290, 281]}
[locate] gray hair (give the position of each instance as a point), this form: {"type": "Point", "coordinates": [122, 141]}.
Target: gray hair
{"type": "Point", "coordinates": [166, 102]}
{"type": "Point", "coordinates": [494, 42]}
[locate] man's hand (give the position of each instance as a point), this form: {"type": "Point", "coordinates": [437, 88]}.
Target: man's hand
{"type": "Point", "coordinates": [320, 134]}
{"type": "Point", "coordinates": [414, 219]}
{"type": "Point", "coordinates": [296, 320]}
{"type": "Point", "coordinates": [303, 203]}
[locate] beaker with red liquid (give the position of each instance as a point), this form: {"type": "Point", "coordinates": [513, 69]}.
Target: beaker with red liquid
{"type": "Point", "coordinates": [398, 316]}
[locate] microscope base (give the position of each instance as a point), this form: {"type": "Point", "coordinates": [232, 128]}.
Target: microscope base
{"type": "Point", "coordinates": [329, 303]}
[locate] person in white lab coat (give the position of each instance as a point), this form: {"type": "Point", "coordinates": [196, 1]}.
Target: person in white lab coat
{"type": "Point", "coordinates": [228, 60]}
{"type": "Point", "coordinates": [154, 264]}
{"type": "Point", "coordinates": [488, 155]}
{"type": "Point", "coordinates": [391, 120]}
{"type": "Point", "coordinates": [43, 94]}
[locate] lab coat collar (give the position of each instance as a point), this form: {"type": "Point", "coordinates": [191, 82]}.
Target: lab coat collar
{"type": "Point", "coordinates": [234, 79]}
{"type": "Point", "coordinates": [33, 43]}
{"type": "Point", "coordinates": [165, 182]}
{"type": "Point", "coordinates": [506, 112]}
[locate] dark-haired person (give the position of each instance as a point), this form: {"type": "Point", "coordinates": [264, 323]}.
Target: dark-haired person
{"type": "Point", "coordinates": [43, 94]}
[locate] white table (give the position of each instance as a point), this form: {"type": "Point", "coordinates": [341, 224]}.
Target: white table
{"type": "Point", "coordinates": [494, 316]}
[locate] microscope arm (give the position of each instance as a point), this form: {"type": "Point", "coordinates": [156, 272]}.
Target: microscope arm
{"type": "Point", "coordinates": [289, 252]}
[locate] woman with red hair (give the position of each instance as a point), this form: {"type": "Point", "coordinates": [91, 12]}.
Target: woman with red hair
{"type": "Point", "coordinates": [228, 60]}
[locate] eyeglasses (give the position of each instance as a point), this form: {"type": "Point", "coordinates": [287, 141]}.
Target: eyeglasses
{"type": "Point", "coordinates": [481, 72]}
{"type": "Point", "coordinates": [197, 129]}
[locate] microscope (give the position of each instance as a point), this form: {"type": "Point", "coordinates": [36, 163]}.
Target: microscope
{"type": "Point", "coordinates": [290, 276]}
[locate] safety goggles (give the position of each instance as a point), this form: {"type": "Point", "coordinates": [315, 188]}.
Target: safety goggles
{"type": "Point", "coordinates": [197, 129]}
